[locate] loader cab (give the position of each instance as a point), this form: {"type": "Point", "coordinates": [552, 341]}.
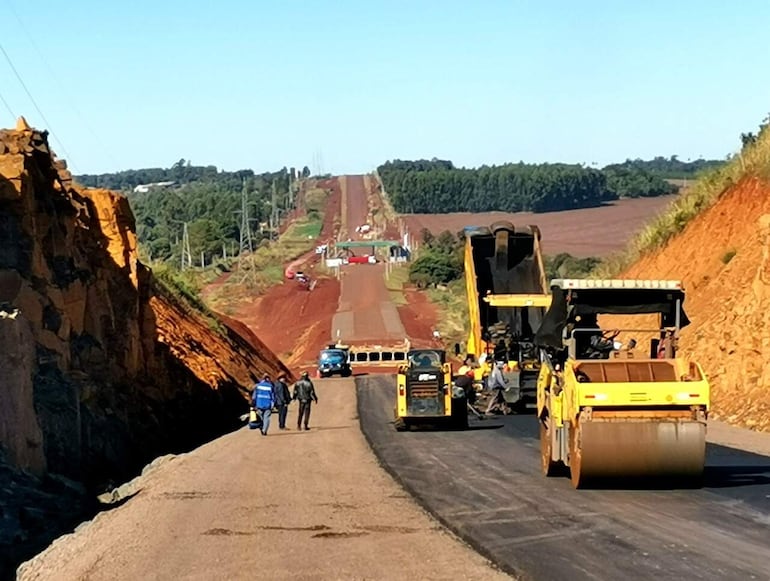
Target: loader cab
{"type": "Point", "coordinates": [426, 358]}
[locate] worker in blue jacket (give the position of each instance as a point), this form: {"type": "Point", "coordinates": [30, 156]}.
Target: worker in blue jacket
{"type": "Point", "coordinates": [263, 400]}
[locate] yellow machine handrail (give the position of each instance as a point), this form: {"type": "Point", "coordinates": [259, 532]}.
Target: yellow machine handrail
{"type": "Point", "coordinates": [528, 300]}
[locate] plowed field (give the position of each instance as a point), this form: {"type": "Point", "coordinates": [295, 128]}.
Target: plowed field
{"type": "Point", "coordinates": [586, 232]}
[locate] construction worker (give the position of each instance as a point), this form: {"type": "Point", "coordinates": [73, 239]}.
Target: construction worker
{"type": "Point", "coordinates": [282, 398]}
{"type": "Point", "coordinates": [496, 384]}
{"type": "Point", "coordinates": [464, 379]}
{"type": "Point", "coordinates": [304, 392]}
{"type": "Point", "coordinates": [263, 401]}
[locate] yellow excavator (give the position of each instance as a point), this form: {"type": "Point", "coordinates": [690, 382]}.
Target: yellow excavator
{"type": "Point", "coordinates": [610, 408]}
{"type": "Point", "coordinates": [507, 296]}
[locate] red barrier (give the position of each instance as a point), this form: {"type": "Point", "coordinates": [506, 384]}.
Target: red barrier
{"type": "Point", "coordinates": [358, 259]}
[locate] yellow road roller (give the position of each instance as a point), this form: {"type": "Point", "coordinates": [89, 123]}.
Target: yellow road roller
{"type": "Point", "coordinates": [619, 402]}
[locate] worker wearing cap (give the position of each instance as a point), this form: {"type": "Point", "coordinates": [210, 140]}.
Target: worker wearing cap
{"type": "Point", "coordinates": [304, 392]}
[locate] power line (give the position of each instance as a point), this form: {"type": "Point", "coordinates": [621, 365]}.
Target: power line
{"type": "Point", "coordinates": [34, 103]}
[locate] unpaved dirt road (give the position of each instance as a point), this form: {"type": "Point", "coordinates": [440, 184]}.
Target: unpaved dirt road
{"type": "Point", "coordinates": [291, 505]}
{"type": "Point", "coordinates": [366, 313]}
{"type": "Point", "coordinates": [356, 204]}
{"type": "Point", "coordinates": [486, 484]}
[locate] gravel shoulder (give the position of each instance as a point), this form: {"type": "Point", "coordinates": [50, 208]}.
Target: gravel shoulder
{"type": "Point", "coordinates": [292, 505]}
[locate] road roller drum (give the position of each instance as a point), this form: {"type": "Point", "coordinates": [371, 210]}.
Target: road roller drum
{"type": "Point", "coordinates": [637, 448]}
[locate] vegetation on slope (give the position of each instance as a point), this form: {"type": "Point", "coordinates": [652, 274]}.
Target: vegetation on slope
{"type": "Point", "coordinates": [206, 199]}
{"type": "Point", "coordinates": [264, 267]}
{"type": "Point", "coordinates": [440, 260]}
{"type": "Point", "coordinates": [752, 160]}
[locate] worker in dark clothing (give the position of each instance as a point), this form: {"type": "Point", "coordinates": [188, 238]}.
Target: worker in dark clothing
{"type": "Point", "coordinates": [282, 399]}
{"type": "Point", "coordinates": [304, 392]}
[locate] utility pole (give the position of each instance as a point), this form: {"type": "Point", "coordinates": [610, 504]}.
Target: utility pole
{"type": "Point", "coordinates": [246, 244]}
{"type": "Point", "coordinates": [186, 255]}
{"type": "Point", "coordinates": [273, 211]}
{"type": "Point", "coordinates": [291, 189]}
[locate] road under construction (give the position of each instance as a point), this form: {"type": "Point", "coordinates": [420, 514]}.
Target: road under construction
{"type": "Point", "coordinates": [485, 484]}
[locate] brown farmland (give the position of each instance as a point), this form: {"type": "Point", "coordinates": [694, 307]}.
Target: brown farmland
{"type": "Point", "coordinates": [586, 232]}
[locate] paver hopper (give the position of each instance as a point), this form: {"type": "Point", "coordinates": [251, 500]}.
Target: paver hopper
{"type": "Point", "coordinates": [507, 297]}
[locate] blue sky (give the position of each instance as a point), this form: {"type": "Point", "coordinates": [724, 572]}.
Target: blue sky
{"type": "Point", "coordinates": [348, 84]}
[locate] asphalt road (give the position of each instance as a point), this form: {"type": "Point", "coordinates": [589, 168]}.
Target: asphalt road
{"type": "Point", "coordinates": [485, 484]}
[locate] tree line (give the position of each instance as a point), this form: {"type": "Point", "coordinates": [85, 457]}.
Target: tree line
{"type": "Point", "coordinates": [437, 186]}
{"type": "Point", "coordinates": [206, 199]}
{"type": "Point", "coordinates": [668, 167]}
{"type": "Point", "coordinates": [182, 172]}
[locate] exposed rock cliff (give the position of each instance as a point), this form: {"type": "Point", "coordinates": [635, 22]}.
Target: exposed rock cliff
{"type": "Point", "coordinates": [101, 367]}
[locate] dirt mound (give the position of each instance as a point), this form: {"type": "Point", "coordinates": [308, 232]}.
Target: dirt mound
{"type": "Point", "coordinates": [420, 318]}
{"type": "Point", "coordinates": [293, 322]}
{"type": "Point", "coordinates": [722, 258]}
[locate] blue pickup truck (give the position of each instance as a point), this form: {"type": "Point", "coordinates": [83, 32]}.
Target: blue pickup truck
{"type": "Point", "coordinates": [334, 360]}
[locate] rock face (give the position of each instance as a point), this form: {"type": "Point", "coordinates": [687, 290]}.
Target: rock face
{"type": "Point", "coordinates": [722, 256]}
{"type": "Point", "coordinates": [101, 367]}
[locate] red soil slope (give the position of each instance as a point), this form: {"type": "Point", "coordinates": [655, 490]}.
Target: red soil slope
{"type": "Point", "coordinates": [728, 298]}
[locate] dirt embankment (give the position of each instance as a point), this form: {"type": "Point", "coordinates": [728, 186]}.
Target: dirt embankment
{"type": "Point", "coordinates": [102, 368]}
{"type": "Point", "coordinates": [723, 258]}
{"type": "Point", "coordinates": [293, 322]}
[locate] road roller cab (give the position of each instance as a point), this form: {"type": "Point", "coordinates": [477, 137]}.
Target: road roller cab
{"type": "Point", "coordinates": [619, 402]}
{"type": "Point", "coordinates": [425, 393]}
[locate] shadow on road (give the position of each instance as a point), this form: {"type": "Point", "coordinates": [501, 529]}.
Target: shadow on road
{"type": "Point", "coordinates": [484, 426]}
{"type": "Point", "coordinates": [728, 467]}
